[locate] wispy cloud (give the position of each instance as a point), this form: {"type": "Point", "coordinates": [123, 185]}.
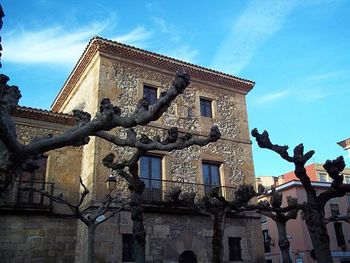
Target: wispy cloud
{"type": "Point", "coordinates": [136, 37]}
{"type": "Point", "coordinates": [313, 94]}
{"type": "Point", "coordinates": [172, 41]}
{"type": "Point", "coordinates": [327, 75]}
{"type": "Point", "coordinates": [268, 98]}
{"type": "Point", "coordinates": [260, 21]}
{"type": "Point", "coordinates": [184, 53]}
{"type": "Point", "coordinates": [59, 45]}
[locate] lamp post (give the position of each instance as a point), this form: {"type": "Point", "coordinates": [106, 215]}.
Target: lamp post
{"type": "Point", "coordinates": [111, 182]}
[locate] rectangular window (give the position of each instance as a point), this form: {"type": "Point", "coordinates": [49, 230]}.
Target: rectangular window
{"type": "Point", "coordinates": [347, 179]}
{"type": "Point", "coordinates": [127, 249]}
{"type": "Point", "coordinates": [150, 93]}
{"type": "Point", "coordinates": [267, 240]}
{"type": "Point", "coordinates": [206, 109]}
{"type": "Point", "coordinates": [211, 175]}
{"type": "Point", "coordinates": [151, 175]}
{"type": "Point", "coordinates": [263, 219]}
{"type": "Point", "coordinates": [235, 250]}
{"type": "Point", "coordinates": [339, 234]}
{"type": "Point", "coordinates": [32, 180]}
{"type": "Point", "coordinates": [323, 177]}
{"type": "Point", "coordinates": [334, 209]}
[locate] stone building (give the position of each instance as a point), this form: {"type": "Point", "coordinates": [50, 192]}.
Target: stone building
{"type": "Point", "coordinates": [125, 74]}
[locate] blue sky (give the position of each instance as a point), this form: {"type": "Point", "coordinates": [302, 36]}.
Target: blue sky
{"type": "Point", "coordinates": [297, 52]}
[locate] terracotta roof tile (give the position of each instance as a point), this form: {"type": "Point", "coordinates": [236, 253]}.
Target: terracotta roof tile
{"type": "Point", "coordinates": [147, 57]}
{"type": "Point", "coordinates": [43, 115]}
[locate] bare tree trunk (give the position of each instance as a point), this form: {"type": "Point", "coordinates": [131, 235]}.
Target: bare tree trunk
{"type": "Point", "coordinates": [218, 235]}
{"type": "Point", "coordinates": [138, 229]}
{"type": "Point", "coordinates": [283, 242]}
{"type": "Point", "coordinates": [315, 222]}
{"type": "Point", "coordinates": [91, 243]}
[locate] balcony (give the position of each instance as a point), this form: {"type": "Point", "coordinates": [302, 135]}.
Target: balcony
{"type": "Point", "coordinates": [22, 196]}
{"type": "Point", "coordinates": [157, 190]}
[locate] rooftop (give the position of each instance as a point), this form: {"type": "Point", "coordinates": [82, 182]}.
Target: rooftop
{"type": "Point", "coordinates": [98, 44]}
{"type": "Point", "coordinates": [43, 115]}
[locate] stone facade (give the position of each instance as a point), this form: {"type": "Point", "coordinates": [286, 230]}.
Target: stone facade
{"type": "Point", "coordinates": [101, 74]}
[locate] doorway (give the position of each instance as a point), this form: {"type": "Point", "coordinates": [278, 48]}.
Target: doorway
{"type": "Point", "coordinates": [188, 257]}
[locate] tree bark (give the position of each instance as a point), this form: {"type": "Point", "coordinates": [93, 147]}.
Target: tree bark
{"type": "Point", "coordinates": [218, 235]}
{"type": "Point", "coordinates": [138, 229]}
{"type": "Point", "coordinates": [91, 243]}
{"type": "Point", "coordinates": [314, 219]}
{"type": "Point", "coordinates": [283, 242]}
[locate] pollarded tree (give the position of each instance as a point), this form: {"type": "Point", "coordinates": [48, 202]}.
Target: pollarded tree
{"type": "Point", "coordinates": [215, 206]}
{"type": "Point", "coordinates": [15, 155]}
{"type": "Point", "coordinates": [93, 217]}
{"type": "Point", "coordinates": [128, 169]}
{"type": "Point", "coordinates": [280, 215]}
{"type": "Point", "coordinates": [313, 208]}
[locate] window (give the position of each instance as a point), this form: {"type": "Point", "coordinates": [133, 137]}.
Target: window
{"type": "Point", "coordinates": [211, 175]}
{"type": "Point", "coordinates": [334, 205]}
{"type": "Point", "coordinates": [150, 93]}
{"type": "Point", "coordinates": [235, 250]}
{"type": "Point", "coordinates": [263, 219]}
{"type": "Point", "coordinates": [206, 109]}
{"type": "Point", "coordinates": [323, 177]}
{"type": "Point", "coordinates": [334, 209]}
{"type": "Point", "coordinates": [347, 179]}
{"type": "Point", "coordinates": [267, 240]}
{"type": "Point", "coordinates": [32, 179]}
{"type": "Point", "coordinates": [127, 249]}
{"type": "Point", "coordinates": [151, 175]}
{"type": "Point", "coordinates": [339, 234]}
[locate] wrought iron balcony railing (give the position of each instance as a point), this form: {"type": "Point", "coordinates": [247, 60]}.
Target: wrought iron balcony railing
{"type": "Point", "coordinates": [24, 195]}
{"type": "Point", "coordinates": [157, 190]}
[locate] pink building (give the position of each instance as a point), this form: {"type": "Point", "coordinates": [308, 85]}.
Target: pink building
{"type": "Point", "coordinates": [301, 246]}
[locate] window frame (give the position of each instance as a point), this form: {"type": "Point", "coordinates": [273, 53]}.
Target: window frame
{"type": "Point", "coordinates": [210, 185]}
{"type": "Point", "coordinates": [153, 185]}
{"type": "Point", "coordinates": [206, 107]}
{"type": "Point", "coordinates": [151, 100]}
{"type": "Point", "coordinates": [319, 174]}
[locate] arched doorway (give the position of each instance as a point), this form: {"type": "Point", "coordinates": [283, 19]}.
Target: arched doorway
{"type": "Point", "coordinates": [188, 257]}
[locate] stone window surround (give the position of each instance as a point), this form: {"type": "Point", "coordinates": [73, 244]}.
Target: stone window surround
{"type": "Point", "coordinates": [213, 158]}
{"type": "Point", "coordinates": [164, 163]}
{"type": "Point", "coordinates": [157, 85]}
{"type": "Point", "coordinates": [151, 83]}
{"type": "Point", "coordinates": [214, 106]}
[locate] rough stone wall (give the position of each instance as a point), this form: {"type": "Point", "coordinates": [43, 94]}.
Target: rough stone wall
{"type": "Point", "coordinates": [122, 82]}
{"type": "Point", "coordinates": [85, 97]}
{"type": "Point", "coordinates": [36, 239]}
{"type": "Point", "coordinates": [170, 235]}
{"type": "Point", "coordinates": [63, 165]}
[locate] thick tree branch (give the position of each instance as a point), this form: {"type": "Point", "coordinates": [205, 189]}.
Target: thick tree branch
{"type": "Point", "coordinates": [108, 118]}
{"type": "Point", "coordinates": [337, 189]}
{"type": "Point", "coordinates": [299, 158]}
{"type": "Point", "coordinates": [172, 142]}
